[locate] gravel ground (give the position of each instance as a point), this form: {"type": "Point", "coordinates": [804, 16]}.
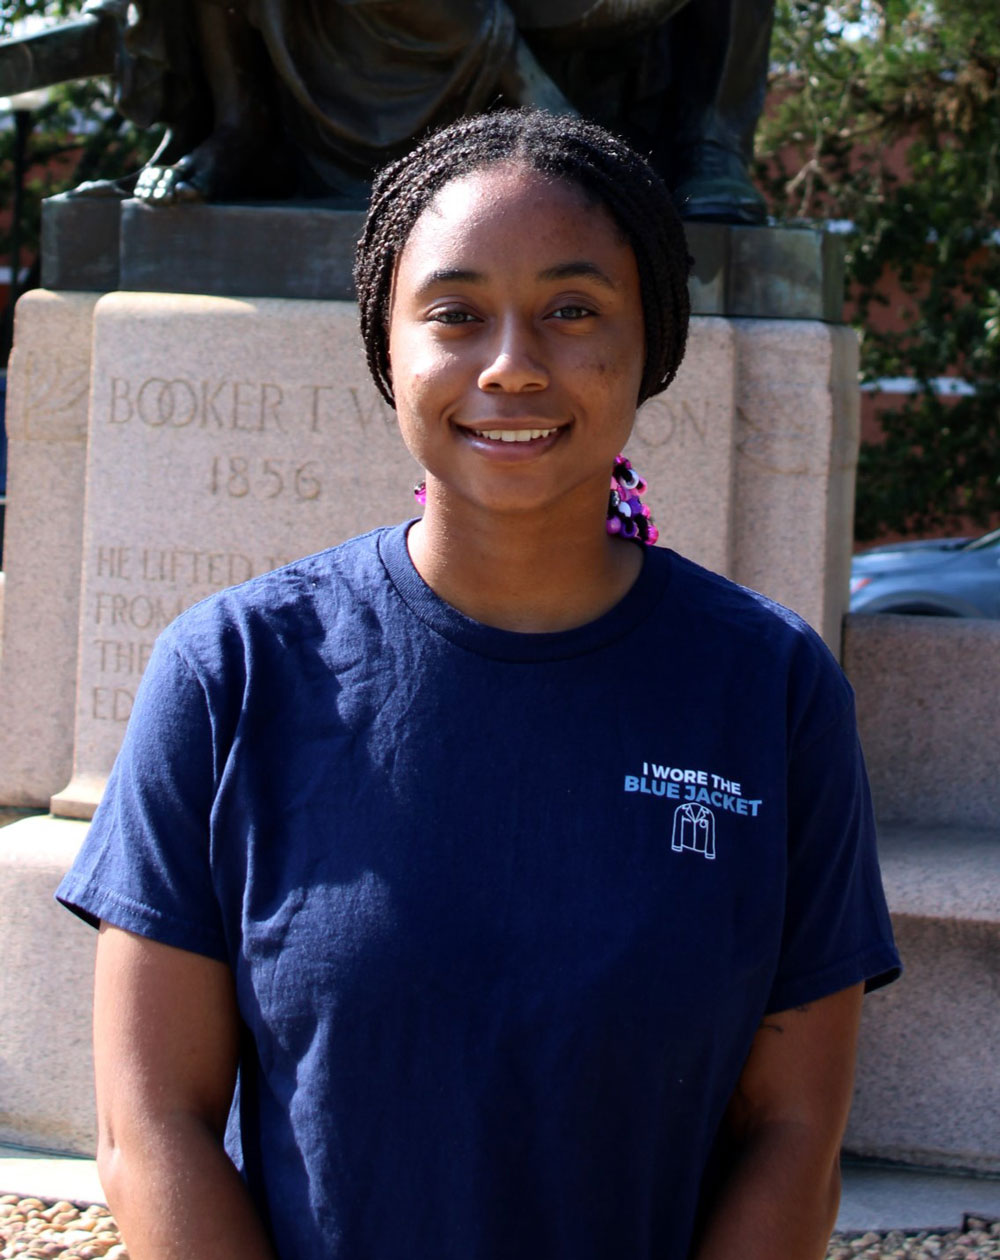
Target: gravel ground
{"type": "Point", "coordinates": [979, 1239]}
{"type": "Point", "coordinates": [35, 1228]}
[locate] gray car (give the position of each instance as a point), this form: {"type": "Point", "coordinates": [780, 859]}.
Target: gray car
{"type": "Point", "coordinates": [943, 577]}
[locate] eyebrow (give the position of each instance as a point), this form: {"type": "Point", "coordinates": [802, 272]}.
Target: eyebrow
{"type": "Point", "coordinates": [451, 275]}
{"type": "Point", "coordinates": [561, 271]}
{"type": "Point", "coordinates": [578, 267]}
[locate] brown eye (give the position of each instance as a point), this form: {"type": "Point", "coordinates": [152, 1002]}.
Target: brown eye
{"type": "Point", "coordinates": [452, 317]}
{"type": "Point", "coordinates": [572, 312]}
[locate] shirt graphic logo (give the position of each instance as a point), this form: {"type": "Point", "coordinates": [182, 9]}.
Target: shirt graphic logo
{"type": "Point", "coordinates": [694, 829]}
{"type": "Point", "coordinates": [694, 787]}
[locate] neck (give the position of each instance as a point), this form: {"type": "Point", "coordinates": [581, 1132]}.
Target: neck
{"type": "Point", "coordinates": [521, 573]}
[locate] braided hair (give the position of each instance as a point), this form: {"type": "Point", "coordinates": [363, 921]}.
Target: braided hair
{"type": "Point", "coordinates": [603, 167]}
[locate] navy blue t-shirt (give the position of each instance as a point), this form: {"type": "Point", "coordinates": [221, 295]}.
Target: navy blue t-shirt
{"type": "Point", "coordinates": [504, 910]}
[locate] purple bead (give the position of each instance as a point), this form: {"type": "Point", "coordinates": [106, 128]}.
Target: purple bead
{"type": "Point", "coordinates": [614, 525]}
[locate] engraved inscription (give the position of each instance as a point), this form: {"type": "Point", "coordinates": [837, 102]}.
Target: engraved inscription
{"type": "Point", "coordinates": [374, 408]}
{"type": "Point", "coordinates": [178, 403]}
{"type": "Point", "coordinates": [327, 402]}
{"type": "Point", "coordinates": [111, 704]}
{"type": "Point", "coordinates": [239, 406]}
{"type": "Point", "coordinates": [138, 612]}
{"type": "Point", "coordinates": [139, 591]}
{"type": "Point", "coordinates": [661, 421]}
{"type": "Point", "coordinates": [51, 398]}
{"type": "Point", "coordinates": [239, 477]}
{"type": "Point", "coordinates": [774, 445]}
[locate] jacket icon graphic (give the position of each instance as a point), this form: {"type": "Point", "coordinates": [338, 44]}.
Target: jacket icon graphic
{"type": "Point", "coordinates": [694, 828]}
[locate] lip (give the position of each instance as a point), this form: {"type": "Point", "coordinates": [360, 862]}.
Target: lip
{"type": "Point", "coordinates": [492, 448]}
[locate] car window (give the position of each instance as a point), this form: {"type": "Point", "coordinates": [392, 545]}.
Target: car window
{"type": "Point", "coordinates": [992, 539]}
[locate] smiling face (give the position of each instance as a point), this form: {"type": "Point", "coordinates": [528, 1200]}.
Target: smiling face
{"type": "Point", "coordinates": [516, 344]}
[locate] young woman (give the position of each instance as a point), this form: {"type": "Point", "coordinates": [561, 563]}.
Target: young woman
{"type": "Point", "coordinates": [517, 875]}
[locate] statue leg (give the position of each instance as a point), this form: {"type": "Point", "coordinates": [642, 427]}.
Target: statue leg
{"type": "Point", "coordinates": [719, 57]}
{"type": "Point", "coordinates": [591, 21]}
{"type": "Point", "coordinates": [683, 80]}
{"type": "Point", "coordinates": [523, 82]}
{"type": "Point", "coordinates": [242, 156]}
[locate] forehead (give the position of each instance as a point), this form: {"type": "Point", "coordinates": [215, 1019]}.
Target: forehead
{"type": "Point", "coordinates": [510, 206]}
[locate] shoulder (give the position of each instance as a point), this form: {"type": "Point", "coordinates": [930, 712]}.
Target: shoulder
{"type": "Point", "coordinates": [286, 607]}
{"type": "Point", "coordinates": [766, 639]}
{"type": "Point", "coordinates": [738, 609]}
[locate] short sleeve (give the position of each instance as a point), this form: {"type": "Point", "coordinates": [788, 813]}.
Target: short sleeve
{"type": "Point", "coordinates": [145, 863]}
{"type": "Point", "coordinates": [837, 930]}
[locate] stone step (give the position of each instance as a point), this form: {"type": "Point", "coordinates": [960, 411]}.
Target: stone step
{"type": "Point", "coordinates": [927, 691]}
{"type": "Point", "coordinates": [46, 984]}
{"type": "Point", "coordinates": [928, 1085]}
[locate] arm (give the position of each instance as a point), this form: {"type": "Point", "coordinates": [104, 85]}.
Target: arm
{"type": "Point", "coordinates": [786, 1120]}
{"type": "Point", "coordinates": [165, 1052]}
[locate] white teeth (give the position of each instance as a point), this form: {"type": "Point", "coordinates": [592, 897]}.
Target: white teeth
{"type": "Point", "coordinates": [512, 435]}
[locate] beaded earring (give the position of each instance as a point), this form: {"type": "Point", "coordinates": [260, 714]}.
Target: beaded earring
{"type": "Point", "coordinates": [628, 516]}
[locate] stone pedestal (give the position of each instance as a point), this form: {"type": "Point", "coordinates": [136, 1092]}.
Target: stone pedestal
{"type": "Point", "coordinates": [48, 387]}
{"type": "Point", "coordinates": [796, 434]}
{"type": "Point", "coordinates": [684, 444]}
{"type": "Point", "coordinates": [307, 251]}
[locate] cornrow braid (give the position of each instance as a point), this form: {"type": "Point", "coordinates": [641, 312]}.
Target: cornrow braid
{"type": "Point", "coordinates": [602, 166]}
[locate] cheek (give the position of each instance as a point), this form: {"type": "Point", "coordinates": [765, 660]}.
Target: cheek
{"type": "Point", "coordinates": [417, 394]}
{"type": "Point", "coordinates": [613, 376]}
{"type": "Point", "coordinates": [417, 364]}
{"type": "Point", "coordinates": [617, 360]}
{"type": "Point", "coordinates": [420, 402]}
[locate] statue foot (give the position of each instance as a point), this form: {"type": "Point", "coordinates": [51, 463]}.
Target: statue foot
{"type": "Point", "coordinates": [714, 187]}
{"type": "Point", "coordinates": [167, 185]}
{"type": "Point", "coordinates": [233, 164]}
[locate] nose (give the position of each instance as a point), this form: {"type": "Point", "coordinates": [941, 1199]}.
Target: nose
{"type": "Point", "coordinates": [515, 365]}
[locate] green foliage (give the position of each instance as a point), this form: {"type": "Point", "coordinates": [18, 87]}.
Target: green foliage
{"type": "Point", "coordinates": [888, 114]}
{"type": "Point", "coordinates": [78, 135]}
{"type": "Point", "coordinates": [14, 11]}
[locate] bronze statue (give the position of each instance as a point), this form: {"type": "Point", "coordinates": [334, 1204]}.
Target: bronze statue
{"type": "Point", "coordinates": [268, 99]}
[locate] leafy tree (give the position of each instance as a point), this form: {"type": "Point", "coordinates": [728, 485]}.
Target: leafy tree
{"type": "Point", "coordinates": [888, 115]}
